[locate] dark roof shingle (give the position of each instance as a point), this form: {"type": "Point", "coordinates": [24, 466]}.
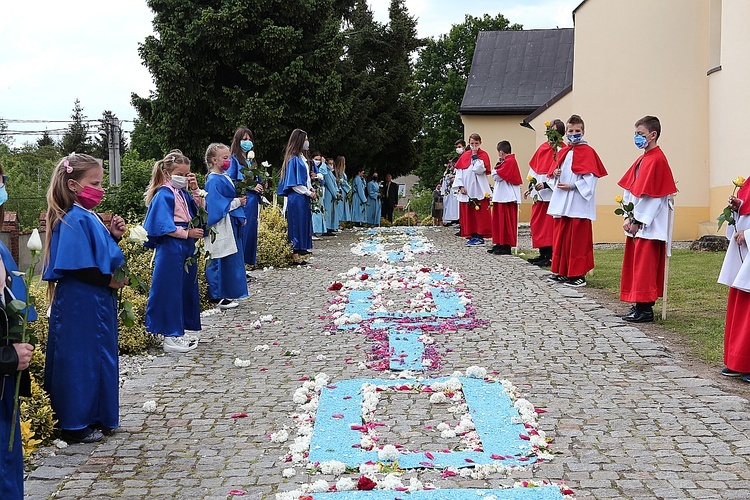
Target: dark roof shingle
{"type": "Point", "coordinates": [516, 72]}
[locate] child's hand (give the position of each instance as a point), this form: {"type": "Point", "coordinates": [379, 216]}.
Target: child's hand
{"type": "Point", "coordinates": [192, 182]}
{"type": "Point", "coordinates": [118, 284]}
{"type": "Point", "coordinates": [526, 193]}
{"type": "Point", "coordinates": [117, 227]}
{"type": "Point", "coordinates": [258, 188]}
{"type": "Point", "coordinates": [243, 201]}
{"type": "Point", "coordinates": [195, 232]}
{"type": "Point", "coordinates": [739, 237]}
{"type": "Point", "coordinates": [462, 190]}
{"type": "Point", "coordinates": [566, 187]}
{"type": "Point", "coordinates": [24, 355]}
{"type": "Point", "coordinates": [735, 203]}
{"type": "Point", "coordinates": [539, 186]}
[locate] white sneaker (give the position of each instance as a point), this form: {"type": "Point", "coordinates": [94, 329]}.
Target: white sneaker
{"type": "Point", "coordinates": [178, 344]}
{"type": "Point", "coordinates": [227, 304]}
{"type": "Point", "coordinates": [192, 339]}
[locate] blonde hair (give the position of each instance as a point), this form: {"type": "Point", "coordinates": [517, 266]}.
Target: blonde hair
{"type": "Point", "coordinates": [60, 198]}
{"type": "Point", "coordinates": [166, 164]}
{"type": "Point", "coordinates": [211, 152]}
{"type": "Point", "coordinates": [339, 167]}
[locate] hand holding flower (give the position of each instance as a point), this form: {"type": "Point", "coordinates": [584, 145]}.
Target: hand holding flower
{"type": "Point", "coordinates": [24, 355]}
{"type": "Point", "coordinates": [117, 227]}
{"type": "Point", "coordinates": [739, 237]}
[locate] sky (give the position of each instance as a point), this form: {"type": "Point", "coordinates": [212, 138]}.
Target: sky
{"type": "Point", "coordinates": [52, 52]}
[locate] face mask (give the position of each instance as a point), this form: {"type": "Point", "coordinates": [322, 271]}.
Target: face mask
{"type": "Point", "coordinates": [575, 138]}
{"type": "Point", "coordinates": [640, 141]}
{"type": "Point", "coordinates": [3, 195]}
{"type": "Point", "coordinates": [306, 146]}
{"type": "Point", "coordinates": [178, 181]}
{"type": "Point", "coordinates": [460, 150]}
{"type": "Point", "coordinates": [90, 197]}
{"type": "Point", "coordinates": [246, 145]}
{"type": "Point", "coordinates": [316, 162]}
{"type": "Point", "coordinates": [225, 165]}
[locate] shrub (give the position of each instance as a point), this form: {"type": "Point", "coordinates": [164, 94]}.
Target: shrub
{"type": "Point", "coordinates": [38, 412]}
{"type": "Point", "coordinates": [427, 221]}
{"type": "Point", "coordinates": [409, 219]}
{"type": "Point", "coordinates": [421, 202]}
{"type": "Point", "coordinates": [274, 248]}
{"type": "Point", "coordinates": [386, 223]}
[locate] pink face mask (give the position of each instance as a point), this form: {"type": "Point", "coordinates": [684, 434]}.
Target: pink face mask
{"type": "Point", "coordinates": [225, 165]}
{"type": "Point", "coordinates": [90, 197]}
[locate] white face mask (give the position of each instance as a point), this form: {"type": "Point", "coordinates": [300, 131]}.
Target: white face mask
{"type": "Point", "coordinates": [306, 145]}
{"type": "Point", "coordinates": [178, 181]}
{"type": "Point", "coordinates": [460, 150]}
{"type": "Point", "coordinates": [316, 162]}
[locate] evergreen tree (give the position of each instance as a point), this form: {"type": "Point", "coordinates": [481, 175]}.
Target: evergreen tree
{"type": "Point", "coordinates": [442, 72]}
{"type": "Point", "coordinates": [101, 142]}
{"type": "Point", "coordinates": [272, 66]}
{"type": "Point", "coordinates": [45, 140]}
{"type": "Point", "coordinates": [76, 139]}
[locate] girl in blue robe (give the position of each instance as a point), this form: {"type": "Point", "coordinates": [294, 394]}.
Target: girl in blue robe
{"type": "Point", "coordinates": [81, 371]}
{"type": "Point", "coordinates": [373, 200]}
{"type": "Point", "coordinates": [243, 157]}
{"type": "Point", "coordinates": [343, 208]}
{"type": "Point", "coordinates": [295, 185]}
{"type": "Point", "coordinates": [331, 195]}
{"type": "Point", "coordinates": [319, 226]}
{"type": "Point", "coordinates": [225, 275]}
{"type": "Point", "coordinates": [359, 200]}
{"type": "Point", "coordinates": [168, 216]}
{"type": "Point", "coordinates": [11, 463]}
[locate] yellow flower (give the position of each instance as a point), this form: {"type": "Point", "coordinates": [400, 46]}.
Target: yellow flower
{"type": "Point", "coordinates": [618, 199]}
{"type": "Point", "coordinates": [476, 207]}
{"type": "Point", "coordinates": [739, 181]}
{"type": "Point", "coordinates": [487, 195]}
{"type": "Point", "coordinates": [29, 444]}
{"type": "Point", "coordinates": [547, 124]}
{"type": "Point", "coordinates": [529, 177]}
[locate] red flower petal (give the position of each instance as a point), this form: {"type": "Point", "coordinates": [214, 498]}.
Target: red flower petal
{"type": "Point", "coordinates": [366, 484]}
{"type": "Point", "coordinates": [524, 437]}
{"type": "Point", "coordinates": [237, 493]}
{"type": "Point", "coordinates": [338, 415]}
{"type": "Point", "coordinates": [448, 473]}
{"type": "Point", "coordinates": [495, 456]}
{"type": "Point", "coordinates": [239, 415]}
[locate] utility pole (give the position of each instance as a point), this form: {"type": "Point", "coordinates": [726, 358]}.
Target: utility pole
{"type": "Point", "coordinates": [115, 169]}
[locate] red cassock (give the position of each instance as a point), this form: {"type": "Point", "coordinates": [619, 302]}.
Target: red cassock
{"type": "Point", "coordinates": [474, 221]}
{"type": "Point", "coordinates": [505, 214]}
{"type": "Point", "coordinates": [643, 262]}
{"type": "Point", "coordinates": [541, 224]}
{"type": "Point", "coordinates": [737, 329]}
{"type": "Point", "coordinates": [573, 245]}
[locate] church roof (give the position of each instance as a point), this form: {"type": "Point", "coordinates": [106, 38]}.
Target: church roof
{"type": "Point", "coordinates": [516, 72]}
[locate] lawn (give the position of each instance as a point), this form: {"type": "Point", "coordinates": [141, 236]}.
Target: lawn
{"type": "Point", "coordinates": [696, 304]}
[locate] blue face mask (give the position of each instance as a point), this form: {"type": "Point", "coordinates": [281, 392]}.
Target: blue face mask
{"type": "Point", "coordinates": [3, 195]}
{"type": "Point", "coordinates": [640, 141]}
{"type": "Point", "coordinates": [574, 138]}
{"type": "Point", "coordinates": [246, 145]}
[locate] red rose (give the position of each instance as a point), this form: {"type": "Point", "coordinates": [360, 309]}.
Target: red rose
{"type": "Point", "coordinates": [364, 276]}
{"type": "Point", "coordinates": [336, 286]}
{"type": "Point", "coordinates": [365, 483]}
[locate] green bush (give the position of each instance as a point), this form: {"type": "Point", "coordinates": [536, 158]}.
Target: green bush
{"type": "Point", "coordinates": [408, 219]}
{"type": "Point", "coordinates": [421, 202]}
{"type": "Point", "coordinates": [127, 198]}
{"type": "Point", "coordinates": [386, 223]}
{"type": "Point", "coordinates": [38, 411]}
{"type": "Point", "coordinates": [274, 248]}
{"type": "Point", "coordinates": [427, 221]}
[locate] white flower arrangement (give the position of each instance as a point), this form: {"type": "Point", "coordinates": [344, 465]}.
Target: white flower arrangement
{"type": "Point", "coordinates": [149, 406]}
{"type": "Point", "coordinates": [242, 363]}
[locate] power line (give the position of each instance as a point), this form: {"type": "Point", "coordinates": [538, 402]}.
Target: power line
{"type": "Point", "coordinates": [13, 120]}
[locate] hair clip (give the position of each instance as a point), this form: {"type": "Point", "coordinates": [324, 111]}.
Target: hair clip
{"type": "Point", "coordinates": [67, 166]}
{"type": "Point", "coordinates": [172, 158]}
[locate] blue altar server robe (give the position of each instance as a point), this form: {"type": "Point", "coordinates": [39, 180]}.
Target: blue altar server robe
{"type": "Point", "coordinates": [373, 198]}
{"type": "Point", "coordinates": [359, 200]}
{"type": "Point", "coordinates": [165, 313]}
{"type": "Point", "coordinates": [329, 199]}
{"type": "Point", "coordinates": [81, 372]}
{"type": "Point", "coordinates": [319, 225]}
{"type": "Point", "coordinates": [298, 212]}
{"type": "Point", "coordinates": [249, 231]}
{"type": "Point", "coordinates": [225, 276]}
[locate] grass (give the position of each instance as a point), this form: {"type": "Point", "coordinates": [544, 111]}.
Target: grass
{"type": "Point", "coordinates": [696, 303]}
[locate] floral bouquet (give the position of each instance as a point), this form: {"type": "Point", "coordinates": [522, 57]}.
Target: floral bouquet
{"type": "Point", "coordinates": [532, 183]}
{"type": "Point", "coordinates": [553, 138]}
{"type": "Point", "coordinates": [252, 175]}
{"type": "Point", "coordinates": [625, 209]}
{"type": "Point", "coordinates": [476, 202]}
{"type": "Point", "coordinates": [200, 220]}
{"type": "Point", "coordinates": [728, 214]}
{"type": "Point", "coordinates": [125, 307]}
{"type": "Point", "coordinates": [317, 185]}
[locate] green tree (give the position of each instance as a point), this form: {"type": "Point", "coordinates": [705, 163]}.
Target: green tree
{"type": "Point", "coordinates": [127, 198]}
{"type": "Point", "coordinates": [442, 72]}
{"type": "Point", "coordinates": [146, 142]}
{"type": "Point", "coordinates": [5, 138]}
{"type": "Point", "coordinates": [76, 138]}
{"type": "Point", "coordinates": [380, 78]}
{"type": "Point", "coordinates": [45, 140]}
{"type": "Point", "coordinates": [29, 169]}
{"type": "Point", "coordinates": [101, 141]}
{"type": "Point", "coordinates": [272, 66]}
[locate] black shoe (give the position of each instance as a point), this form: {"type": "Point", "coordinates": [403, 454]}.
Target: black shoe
{"type": "Point", "coordinates": [458, 233]}
{"type": "Point", "coordinates": [503, 250]}
{"type": "Point", "coordinates": [300, 262]}
{"type": "Point", "coordinates": [87, 435]}
{"type": "Point", "coordinates": [534, 260]}
{"type": "Point", "coordinates": [631, 312]}
{"type": "Point", "coordinates": [642, 316]}
{"type": "Point", "coordinates": [731, 373]}
{"type": "Point", "coordinates": [492, 250]}
{"type": "Point", "coordinates": [543, 263]}
{"type": "Point", "coordinates": [304, 252]}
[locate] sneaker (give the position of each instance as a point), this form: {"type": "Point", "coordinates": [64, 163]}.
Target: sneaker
{"type": "Point", "coordinates": [556, 278]}
{"type": "Point", "coordinates": [87, 435]}
{"type": "Point", "coordinates": [746, 378]}
{"type": "Point", "coordinates": [576, 282]}
{"type": "Point", "coordinates": [731, 373]}
{"type": "Point", "coordinates": [480, 241]}
{"type": "Point", "coordinates": [227, 304]}
{"type": "Point", "coordinates": [543, 263]}
{"type": "Point", "coordinates": [471, 242]}
{"type": "Point", "coordinates": [178, 344]}
{"type": "Point", "coordinates": [316, 238]}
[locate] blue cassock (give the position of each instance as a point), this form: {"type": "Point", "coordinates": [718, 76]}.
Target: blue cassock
{"type": "Point", "coordinates": [249, 231]}
{"type": "Point", "coordinates": [373, 209]}
{"type": "Point", "coordinates": [298, 212]}
{"type": "Point", "coordinates": [329, 199]}
{"type": "Point", "coordinates": [81, 372]}
{"type": "Point", "coordinates": [165, 313]}
{"type": "Point", "coordinates": [343, 210]}
{"type": "Point", "coordinates": [11, 463]}
{"type": "Point", "coordinates": [226, 276]}
{"type": "Point", "coordinates": [318, 218]}
{"type": "Point", "coordinates": [358, 200]}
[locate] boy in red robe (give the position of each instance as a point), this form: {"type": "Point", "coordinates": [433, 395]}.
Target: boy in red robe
{"type": "Point", "coordinates": [505, 199]}
{"type": "Point", "coordinates": [648, 184]}
{"type": "Point", "coordinates": [541, 224]}
{"type": "Point", "coordinates": [573, 205]}
{"type": "Point", "coordinates": [472, 169]}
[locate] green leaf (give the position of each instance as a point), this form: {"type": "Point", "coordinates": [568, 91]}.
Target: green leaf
{"type": "Point", "coordinates": [619, 211]}
{"type": "Point", "coordinates": [15, 306]}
